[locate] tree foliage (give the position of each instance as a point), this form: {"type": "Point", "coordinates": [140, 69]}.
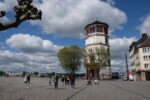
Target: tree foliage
{"type": "Point", "coordinates": [96, 57]}
{"type": "Point", "coordinates": [2, 73]}
{"type": "Point", "coordinates": [35, 73]}
{"type": "Point", "coordinates": [23, 11]}
{"type": "Point", "coordinates": [70, 58]}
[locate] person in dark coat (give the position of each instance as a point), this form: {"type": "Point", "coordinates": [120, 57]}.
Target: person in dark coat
{"type": "Point", "coordinates": [72, 80]}
{"type": "Point", "coordinates": [55, 80]}
{"type": "Point", "coordinates": [28, 78]}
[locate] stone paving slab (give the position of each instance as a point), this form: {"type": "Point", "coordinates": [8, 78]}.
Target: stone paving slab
{"type": "Point", "coordinates": [13, 88]}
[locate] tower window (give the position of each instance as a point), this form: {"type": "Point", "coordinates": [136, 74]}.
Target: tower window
{"type": "Point", "coordinates": [106, 40]}
{"type": "Point", "coordinates": [87, 31]}
{"type": "Point", "coordinates": [106, 31]}
{"type": "Point", "coordinates": [92, 29]}
{"type": "Point", "coordinates": [99, 28]}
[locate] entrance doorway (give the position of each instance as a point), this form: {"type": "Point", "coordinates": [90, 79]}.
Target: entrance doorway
{"type": "Point", "coordinates": [147, 76]}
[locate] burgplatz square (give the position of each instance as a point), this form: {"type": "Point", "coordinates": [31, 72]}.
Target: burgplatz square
{"type": "Point", "coordinates": [74, 50]}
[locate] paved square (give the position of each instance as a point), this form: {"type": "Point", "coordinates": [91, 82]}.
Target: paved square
{"type": "Point", "coordinates": [13, 88]}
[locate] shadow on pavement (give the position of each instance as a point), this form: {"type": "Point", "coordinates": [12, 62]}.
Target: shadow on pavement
{"type": "Point", "coordinates": [76, 93]}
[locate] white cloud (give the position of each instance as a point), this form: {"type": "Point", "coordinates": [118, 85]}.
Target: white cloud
{"type": "Point", "coordinates": [32, 44]}
{"type": "Point", "coordinates": [7, 5]}
{"type": "Point", "coordinates": [118, 65]}
{"type": "Point", "coordinates": [4, 19]}
{"type": "Point", "coordinates": [120, 46]}
{"type": "Point", "coordinates": [35, 54]}
{"type": "Point", "coordinates": [10, 61]}
{"type": "Point", "coordinates": [145, 27]}
{"type": "Point", "coordinates": [69, 17]}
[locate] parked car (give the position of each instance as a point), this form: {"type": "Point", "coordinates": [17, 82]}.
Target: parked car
{"type": "Point", "coordinates": [124, 78]}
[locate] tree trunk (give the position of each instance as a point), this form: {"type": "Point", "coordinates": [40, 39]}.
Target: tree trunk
{"type": "Point", "coordinates": [73, 71]}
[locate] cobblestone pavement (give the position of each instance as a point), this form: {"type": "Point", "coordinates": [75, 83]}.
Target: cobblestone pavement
{"type": "Point", "coordinates": [13, 88]}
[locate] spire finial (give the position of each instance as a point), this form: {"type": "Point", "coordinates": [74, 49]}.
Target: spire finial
{"type": "Point", "coordinates": [96, 18]}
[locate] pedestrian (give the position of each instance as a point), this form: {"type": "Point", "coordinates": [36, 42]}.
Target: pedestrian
{"type": "Point", "coordinates": [62, 79]}
{"type": "Point", "coordinates": [55, 80]}
{"type": "Point", "coordinates": [65, 79]}
{"type": "Point", "coordinates": [50, 80]}
{"type": "Point", "coordinates": [25, 79]}
{"type": "Point", "coordinates": [28, 78]}
{"type": "Point", "coordinates": [96, 82]}
{"type": "Point", "coordinates": [89, 82]}
{"type": "Point", "coordinates": [68, 79]}
{"type": "Point", "coordinates": [72, 80]}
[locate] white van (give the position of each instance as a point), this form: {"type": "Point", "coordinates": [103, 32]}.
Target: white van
{"type": "Point", "coordinates": [131, 77]}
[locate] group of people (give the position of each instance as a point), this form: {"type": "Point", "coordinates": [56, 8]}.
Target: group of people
{"type": "Point", "coordinates": [89, 81]}
{"type": "Point", "coordinates": [67, 80]}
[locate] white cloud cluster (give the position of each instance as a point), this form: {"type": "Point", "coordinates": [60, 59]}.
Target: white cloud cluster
{"type": "Point", "coordinates": [69, 17]}
{"type": "Point", "coordinates": [33, 49]}
{"type": "Point", "coordinates": [118, 65]}
{"type": "Point", "coordinates": [7, 5]}
{"type": "Point", "coordinates": [145, 27]}
{"type": "Point", "coordinates": [4, 19]}
{"type": "Point", "coordinates": [32, 44]}
{"type": "Point", "coordinates": [10, 61]}
{"type": "Point", "coordinates": [35, 54]}
{"type": "Point", "coordinates": [120, 46]}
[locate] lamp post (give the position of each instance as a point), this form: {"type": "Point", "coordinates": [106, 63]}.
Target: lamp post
{"type": "Point", "coordinates": [127, 70]}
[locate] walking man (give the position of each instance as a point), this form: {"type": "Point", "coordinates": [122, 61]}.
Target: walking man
{"type": "Point", "coordinates": [72, 80]}
{"type": "Point", "coordinates": [55, 80]}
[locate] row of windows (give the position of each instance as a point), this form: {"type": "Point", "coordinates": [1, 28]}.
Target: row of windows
{"type": "Point", "coordinates": [147, 65]}
{"type": "Point", "coordinates": [146, 50]}
{"type": "Point", "coordinates": [146, 57]}
{"type": "Point", "coordinates": [98, 28]}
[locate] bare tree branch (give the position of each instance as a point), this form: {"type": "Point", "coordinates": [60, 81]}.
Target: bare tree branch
{"type": "Point", "coordinates": [23, 12]}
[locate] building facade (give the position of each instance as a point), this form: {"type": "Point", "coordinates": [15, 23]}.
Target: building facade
{"type": "Point", "coordinates": [96, 37]}
{"type": "Point", "coordinates": [139, 53]}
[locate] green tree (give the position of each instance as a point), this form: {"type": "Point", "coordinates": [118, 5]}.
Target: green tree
{"type": "Point", "coordinates": [96, 58]}
{"type": "Point", "coordinates": [35, 73]}
{"type": "Point", "coordinates": [23, 74]}
{"type": "Point", "coordinates": [2, 73]}
{"type": "Point", "coordinates": [70, 58]}
{"type": "Point", "coordinates": [23, 11]}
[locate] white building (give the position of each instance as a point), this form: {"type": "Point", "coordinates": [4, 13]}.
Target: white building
{"type": "Point", "coordinates": [97, 36]}
{"type": "Point", "coordinates": [140, 58]}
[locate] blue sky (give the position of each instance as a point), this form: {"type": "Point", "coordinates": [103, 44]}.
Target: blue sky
{"type": "Point", "coordinates": [63, 25]}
